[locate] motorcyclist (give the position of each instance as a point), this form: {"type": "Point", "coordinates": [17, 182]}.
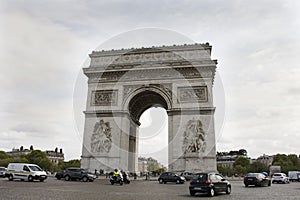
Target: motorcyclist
{"type": "Point", "coordinates": [116, 173]}
{"type": "Point", "coordinates": [117, 177]}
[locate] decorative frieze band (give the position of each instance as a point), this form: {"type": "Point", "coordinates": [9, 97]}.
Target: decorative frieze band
{"type": "Point", "coordinates": [104, 97]}
{"type": "Point", "coordinates": [151, 74]}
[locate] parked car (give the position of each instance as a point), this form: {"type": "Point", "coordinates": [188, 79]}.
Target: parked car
{"type": "Point", "coordinates": [2, 171]}
{"type": "Point", "coordinates": [59, 175]}
{"type": "Point", "coordinates": [256, 179]}
{"type": "Point", "coordinates": [209, 183]}
{"type": "Point", "coordinates": [74, 173]}
{"type": "Point", "coordinates": [280, 178]}
{"type": "Point", "coordinates": [25, 171]}
{"type": "Point", "coordinates": [187, 175]}
{"type": "Point", "coordinates": [294, 176]}
{"type": "Point", "coordinates": [170, 177]}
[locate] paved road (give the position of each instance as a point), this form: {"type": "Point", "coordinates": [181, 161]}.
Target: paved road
{"type": "Point", "coordinates": [144, 190]}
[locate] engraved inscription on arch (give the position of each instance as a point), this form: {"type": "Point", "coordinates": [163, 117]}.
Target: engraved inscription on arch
{"type": "Point", "coordinates": [193, 94]}
{"type": "Point", "coordinates": [104, 97]}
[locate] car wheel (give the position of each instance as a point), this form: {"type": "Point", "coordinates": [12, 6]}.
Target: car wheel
{"type": "Point", "coordinates": [211, 192]}
{"type": "Point", "coordinates": [178, 181]}
{"type": "Point", "coordinates": [273, 182]}
{"type": "Point", "coordinates": [67, 178]}
{"type": "Point", "coordinates": [42, 180]}
{"type": "Point", "coordinates": [160, 181]}
{"type": "Point", "coordinates": [10, 178]}
{"type": "Point", "coordinates": [58, 178]}
{"type": "Point", "coordinates": [192, 193]}
{"type": "Point", "coordinates": [30, 178]}
{"type": "Point", "coordinates": [84, 179]}
{"type": "Point", "coordinates": [228, 190]}
{"type": "Point", "coordinates": [246, 185]}
{"type": "Point", "coordinates": [269, 184]}
{"type": "Point", "coordinates": [121, 182]}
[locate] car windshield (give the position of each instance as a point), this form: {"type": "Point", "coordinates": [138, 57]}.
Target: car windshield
{"type": "Point", "coordinates": [35, 168]}
{"type": "Point", "coordinates": [2, 169]}
{"type": "Point", "coordinates": [252, 175]}
{"type": "Point", "coordinates": [199, 177]}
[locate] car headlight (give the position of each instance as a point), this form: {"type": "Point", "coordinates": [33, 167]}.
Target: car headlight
{"type": "Point", "coordinates": [182, 178]}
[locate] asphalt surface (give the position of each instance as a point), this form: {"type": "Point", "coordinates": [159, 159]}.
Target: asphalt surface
{"type": "Point", "coordinates": [145, 190]}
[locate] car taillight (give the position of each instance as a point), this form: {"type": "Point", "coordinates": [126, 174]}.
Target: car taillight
{"type": "Point", "coordinates": [255, 179]}
{"type": "Point", "coordinates": [207, 181]}
{"type": "Point", "coordinates": [245, 178]}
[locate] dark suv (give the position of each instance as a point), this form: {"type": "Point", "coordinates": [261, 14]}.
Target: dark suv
{"type": "Point", "coordinates": [209, 183]}
{"type": "Point", "coordinates": [170, 177]}
{"type": "Point", "coordinates": [75, 174]}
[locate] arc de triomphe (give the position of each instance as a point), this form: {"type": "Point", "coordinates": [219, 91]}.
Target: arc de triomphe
{"type": "Point", "coordinates": [122, 84]}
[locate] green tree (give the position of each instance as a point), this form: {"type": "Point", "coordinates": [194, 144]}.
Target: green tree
{"type": "Point", "coordinates": [70, 163]}
{"type": "Point", "coordinates": [242, 161]}
{"type": "Point", "coordinates": [242, 152]}
{"type": "Point", "coordinates": [287, 162]}
{"type": "Point", "coordinates": [4, 155]}
{"type": "Point", "coordinates": [38, 157]}
{"type": "Point", "coordinates": [258, 167]}
{"type": "Point", "coordinates": [240, 170]}
{"type": "Point", "coordinates": [152, 167]}
{"type": "Point", "coordinates": [226, 171]}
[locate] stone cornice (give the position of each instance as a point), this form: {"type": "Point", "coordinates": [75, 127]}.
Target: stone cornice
{"type": "Point", "coordinates": [189, 111]}
{"type": "Point", "coordinates": [153, 49]}
{"type": "Point", "coordinates": [151, 74]}
{"type": "Point", "coordinates": [105, 113]}
{"type": "Point", "coordinates": [147, 57]}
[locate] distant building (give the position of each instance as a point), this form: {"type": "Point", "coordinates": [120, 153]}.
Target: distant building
{"type": "Point", "coordinates": [54, 156]}
{"type": "Point", "coordinates": [144, 163]}
{"type": "Point", "coordinates": [17, 153]}
{"type": "Point", "coordinates": [265, 159]}
{"type": "Point", "coordinates": [227, 161]}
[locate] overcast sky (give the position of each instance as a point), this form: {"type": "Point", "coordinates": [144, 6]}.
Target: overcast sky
{"type": "Point", "coordinates": [45, 44]}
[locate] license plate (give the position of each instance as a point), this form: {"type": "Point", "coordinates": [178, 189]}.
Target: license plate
{"type": "Point", "coordinates": [250, 179]}
{"type": "Point", "coordinates": [198, 188]}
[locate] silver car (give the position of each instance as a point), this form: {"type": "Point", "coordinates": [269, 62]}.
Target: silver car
{"type": "Point", "coordinates": [280, 178]}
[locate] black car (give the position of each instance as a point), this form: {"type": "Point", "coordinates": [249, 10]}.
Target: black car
{"type": "Point", "coordinates": [2, 171]}
{"type": "Point", "coordinates": [209, 183]}
{"type": "Point", "coordinates": [75, 174]}
{"type": "Point", "coordinates": [170, 177]}
{"type": "Point", "coordinates": [256, 179]}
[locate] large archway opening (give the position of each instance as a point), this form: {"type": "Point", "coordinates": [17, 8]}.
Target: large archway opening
{"type": "Point", "coordinates": [148, 130]}
{"type": "Point", "coordinates": [153, 139]}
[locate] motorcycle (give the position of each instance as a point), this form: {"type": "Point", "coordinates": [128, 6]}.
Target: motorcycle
{"type": "Point", "coordinates": [126, 178]}
{"type": "Point", "coordinates": [116, 179]}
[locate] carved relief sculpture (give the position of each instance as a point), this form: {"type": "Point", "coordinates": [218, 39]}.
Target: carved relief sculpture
{"type": "Point", "coordinates": [104, 97]}
{"type": "Point", "coordinates": [193, 94]}
{"type": "Point", "coordinates": [194, 137]}
{"type": "Point", "coordinates": [101, 139]}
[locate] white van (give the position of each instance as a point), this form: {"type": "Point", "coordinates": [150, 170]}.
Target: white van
{"type": "Point", "coordinates": [294, 175]}
{"type": "Point", "coordinates": [25, 171]}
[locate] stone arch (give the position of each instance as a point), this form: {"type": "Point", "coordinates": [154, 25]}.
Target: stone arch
{"type": "Point", "coordinates": [177, 78]}
{"type": "Point", "coordinates": [145, 97]}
